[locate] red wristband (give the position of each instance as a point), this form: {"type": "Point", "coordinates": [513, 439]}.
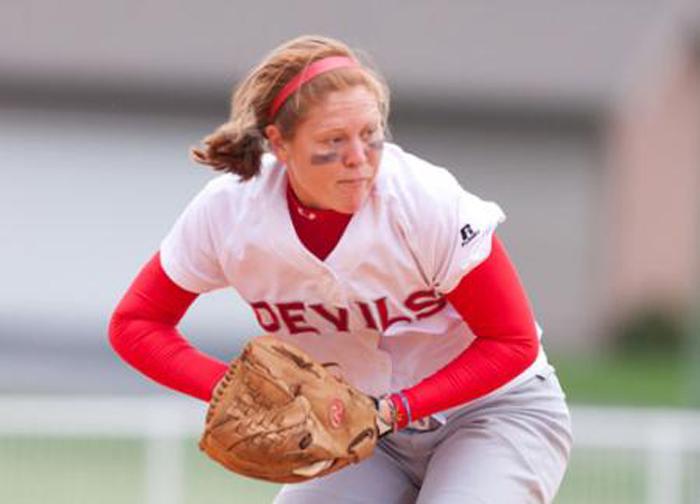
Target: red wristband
{"type": "Point", "coordinates": [403, 417]}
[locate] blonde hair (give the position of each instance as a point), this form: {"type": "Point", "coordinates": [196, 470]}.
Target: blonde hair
{"type": "Point", "coordinates": [237, 145]}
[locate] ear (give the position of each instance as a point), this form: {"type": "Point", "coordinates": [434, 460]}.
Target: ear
{"type": "Point", "coordinates": [276, 142]}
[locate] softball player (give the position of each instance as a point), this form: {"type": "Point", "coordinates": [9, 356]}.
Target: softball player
{"type": "Point", "coordinates": [362, 254]}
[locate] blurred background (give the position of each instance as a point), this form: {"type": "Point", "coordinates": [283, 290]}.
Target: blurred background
{"type": "Point", "coordinates": [581, 119]}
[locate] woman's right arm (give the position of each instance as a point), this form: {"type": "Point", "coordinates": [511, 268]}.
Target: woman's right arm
{"type": "Point", "coordinates": [143, 331]}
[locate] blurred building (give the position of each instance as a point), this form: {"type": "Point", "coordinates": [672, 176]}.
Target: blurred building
{"type": "Point", "coordinates": [582, 120]}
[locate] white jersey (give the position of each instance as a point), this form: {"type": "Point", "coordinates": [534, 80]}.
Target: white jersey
{"type": "Point", "coordinates": [375, 305]}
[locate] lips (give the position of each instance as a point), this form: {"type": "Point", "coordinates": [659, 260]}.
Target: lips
{"type": "Point", "coordinates": [353, 182]}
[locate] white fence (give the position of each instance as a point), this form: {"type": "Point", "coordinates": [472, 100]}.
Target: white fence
{"type": "Point", "coordinates": [662, 445]}
{"type": "Point", "coordinates": [666, 441]}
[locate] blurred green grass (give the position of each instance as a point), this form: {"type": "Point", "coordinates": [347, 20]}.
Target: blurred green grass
{"type": "Point", "coordinates": [85, 471]}
{"type": "Point", "coordinates": [89, 470]}
{"type": "Point", "coordinates": [633, 380]}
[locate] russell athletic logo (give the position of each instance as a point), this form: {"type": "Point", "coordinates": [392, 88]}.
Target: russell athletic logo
{"type": "Point", "coordinates": [468, 234]}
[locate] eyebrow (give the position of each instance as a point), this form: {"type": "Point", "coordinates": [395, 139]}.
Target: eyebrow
{"type": "Point", "coordinates": [330, 129]}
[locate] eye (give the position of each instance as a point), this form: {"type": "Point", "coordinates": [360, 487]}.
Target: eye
{"type": "Point", "coordinates": [333, 141]}
{"type": "Point", "coordinates": [370, 133]}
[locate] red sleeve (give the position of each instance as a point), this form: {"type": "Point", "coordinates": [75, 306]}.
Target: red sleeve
{"type": "Point", "coordinates": [143, 332]}
{"type": "Point", "coordinates": [493, 303]}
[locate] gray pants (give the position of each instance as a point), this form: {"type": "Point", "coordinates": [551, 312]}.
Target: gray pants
{"type": "Point", "coordinates": [508, 449]}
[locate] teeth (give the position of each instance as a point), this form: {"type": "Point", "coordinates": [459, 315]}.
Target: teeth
{"type": "Point", "coordinates": [313, 469]}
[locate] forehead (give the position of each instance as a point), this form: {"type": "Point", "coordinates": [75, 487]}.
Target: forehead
{"type": "Point", "coordinates": [344, 109]}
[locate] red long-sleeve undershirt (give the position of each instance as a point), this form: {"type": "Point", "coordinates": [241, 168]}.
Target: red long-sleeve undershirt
{"type": "Point", "coordinates": [490, 299]}
{"type": "Point", "coordinates": [143, 331]}
{"type": "Point", "coordinates": [493, 303]}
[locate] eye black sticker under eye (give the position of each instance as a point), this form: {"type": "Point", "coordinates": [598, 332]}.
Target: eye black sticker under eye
{"type": "Point", "coordinates": [319, 159]}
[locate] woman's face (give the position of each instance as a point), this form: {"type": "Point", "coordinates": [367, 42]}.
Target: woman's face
{"type": "Point", "coordinates": [333, 157]}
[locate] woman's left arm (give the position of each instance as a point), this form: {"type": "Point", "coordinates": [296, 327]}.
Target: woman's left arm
{"type": "Point", "coordinates": [493, 303]}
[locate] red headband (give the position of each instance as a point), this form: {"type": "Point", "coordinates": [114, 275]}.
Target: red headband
{"type": "Point", "coordinates": [308, 73]}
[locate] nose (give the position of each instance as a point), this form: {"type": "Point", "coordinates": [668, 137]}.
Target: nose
{"type": "Point", "coordinates": [356, 154]}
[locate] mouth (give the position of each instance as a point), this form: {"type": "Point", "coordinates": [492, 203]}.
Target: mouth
{"type": "Point", "coordinates": [353, 182]}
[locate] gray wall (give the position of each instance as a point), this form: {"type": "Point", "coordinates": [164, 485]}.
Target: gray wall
{"type": "Point", "coordinates": [571, 54]}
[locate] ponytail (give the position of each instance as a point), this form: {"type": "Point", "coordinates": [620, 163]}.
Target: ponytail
{"type": "Point", "coordinates": [233, 149]}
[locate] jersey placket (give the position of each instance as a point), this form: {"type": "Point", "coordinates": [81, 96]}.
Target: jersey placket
{"type": "Point", "coordinates": [290, 249]}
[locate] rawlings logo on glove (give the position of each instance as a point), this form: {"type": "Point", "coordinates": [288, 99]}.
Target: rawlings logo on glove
{"type": "Point", "coordinates": [279, 416]}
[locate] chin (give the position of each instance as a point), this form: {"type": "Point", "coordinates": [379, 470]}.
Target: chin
{"type": "Point", "coordinates": [346, 209]}
{"type": "Point", "coordinates": [350, 206]}
{"type": "Point", "coordinates": [349, 199]}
